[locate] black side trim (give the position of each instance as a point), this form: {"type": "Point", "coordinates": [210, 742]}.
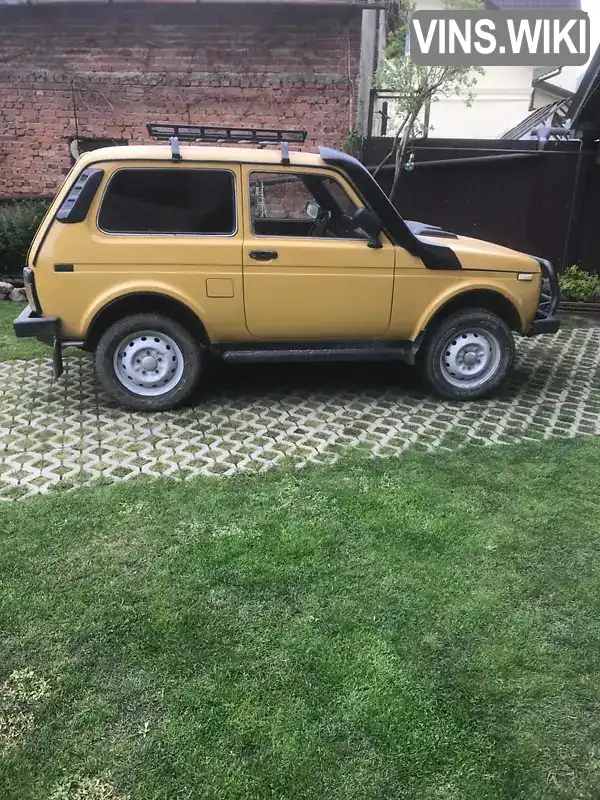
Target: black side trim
{"type": "Point", "coordinates": [433, 256]}
{"type": "Point", "coordinates": [294, 351]}
{"type": "Point", "coordinates": [64, 268]}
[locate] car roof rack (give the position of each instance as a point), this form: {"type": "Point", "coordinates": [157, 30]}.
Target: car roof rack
{"type": "Point", "coordinates": [184, 132]}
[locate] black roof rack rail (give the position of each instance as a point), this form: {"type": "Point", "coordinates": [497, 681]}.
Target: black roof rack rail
{"type": "Point", "coordinates": [214, 133]}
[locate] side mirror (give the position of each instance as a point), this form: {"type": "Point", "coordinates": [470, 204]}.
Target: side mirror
{"type": "Point", "coordinates": [369, 222]}
{"type": "Point", "coordinates": [312, 210]}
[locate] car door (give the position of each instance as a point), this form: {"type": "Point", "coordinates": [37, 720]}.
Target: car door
{"type": "Point", "coordinates": [303, 280]}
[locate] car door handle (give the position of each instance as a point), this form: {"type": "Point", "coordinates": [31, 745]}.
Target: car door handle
{"type": "Point", "coordinates": [264, 255]}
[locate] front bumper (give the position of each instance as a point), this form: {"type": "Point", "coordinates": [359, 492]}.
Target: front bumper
{"type": "Point", "coordinates": [543, 325]}
{"type": "Point", "coordinates": [546, 319]}
{"type": "Point", "coordinates": [46, 329]}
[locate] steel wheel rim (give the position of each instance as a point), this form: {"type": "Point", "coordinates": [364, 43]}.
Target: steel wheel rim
{"type": "Point", "coordinates": [470, 358]}
{"type": "Point", "coordinates": [148, 363]}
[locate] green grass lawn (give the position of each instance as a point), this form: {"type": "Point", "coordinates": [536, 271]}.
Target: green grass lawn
{"type": "Point", "coordinates": [424, 628]}
{"type": "Point", "coordinates": [10, 346]}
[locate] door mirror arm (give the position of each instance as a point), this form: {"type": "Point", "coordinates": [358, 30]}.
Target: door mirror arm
{"type": "Point", "coordinates": [366, 220]}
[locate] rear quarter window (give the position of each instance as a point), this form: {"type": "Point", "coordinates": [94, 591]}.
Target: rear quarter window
{"type": "Point", "coordinates": [159, 201]}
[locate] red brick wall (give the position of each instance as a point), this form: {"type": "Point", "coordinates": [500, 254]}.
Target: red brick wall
{"type": "Point", "coordinates": [104, 71]}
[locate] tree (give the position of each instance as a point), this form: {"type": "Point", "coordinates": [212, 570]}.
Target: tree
{"type": "Point", "coordinates": [416, 87]}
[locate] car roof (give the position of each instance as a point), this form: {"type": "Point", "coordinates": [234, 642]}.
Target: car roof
{"type": "Point", "coordinates": [232, 155]}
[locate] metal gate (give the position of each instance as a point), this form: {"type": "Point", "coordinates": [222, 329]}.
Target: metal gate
{"type": "Point", "coordinates": [541, 201]}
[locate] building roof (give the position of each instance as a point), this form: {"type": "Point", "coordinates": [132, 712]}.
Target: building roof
{"type": "Point", "coordinates": [544, 116]}
{"type": "Point", "coordinates": [535, 5]}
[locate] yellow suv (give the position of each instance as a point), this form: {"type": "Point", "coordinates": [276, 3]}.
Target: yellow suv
{"type": "Point", "coordinates": [154, 257]}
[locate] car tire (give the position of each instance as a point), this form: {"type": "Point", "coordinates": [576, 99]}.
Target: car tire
{"type": "Point", "coordinates": [468, 355]}
{"type": "Point", "coordinates": [148, 362]}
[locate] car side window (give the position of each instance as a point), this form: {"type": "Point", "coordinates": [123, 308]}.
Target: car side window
{"type": "Point", "coordinates": [163, 201]}
{"type": "Point", "coordinates": [301, 204]}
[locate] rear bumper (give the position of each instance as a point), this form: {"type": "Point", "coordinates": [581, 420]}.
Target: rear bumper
{"type": "Point", "coordinates": [46, 329]}
{"type": "Point", "coordinates": [29, 324]}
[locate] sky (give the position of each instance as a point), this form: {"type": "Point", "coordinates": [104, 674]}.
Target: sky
{"type": "Point", "coordinates": [593, 9]}
{"type": "Point", "coordinates": [571, 75]}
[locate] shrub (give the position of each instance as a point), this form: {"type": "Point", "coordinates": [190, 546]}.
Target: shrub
{"type": "Point", "coordinates": [18, 224]}
{"type": "Point", "coordinates": [579, 285]}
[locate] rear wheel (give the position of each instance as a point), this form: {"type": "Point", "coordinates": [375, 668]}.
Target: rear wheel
{"type": "Point", "coordinates": [148, 362]}
{"type": "Point", "coordinates": [468, 355]}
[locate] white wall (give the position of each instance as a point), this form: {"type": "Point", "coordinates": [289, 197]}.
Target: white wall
{"type": "Point", "coordinates": [502, 99]}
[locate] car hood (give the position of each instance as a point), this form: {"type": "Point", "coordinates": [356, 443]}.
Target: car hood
{"type": "Point", "coordinates": [476, 254]}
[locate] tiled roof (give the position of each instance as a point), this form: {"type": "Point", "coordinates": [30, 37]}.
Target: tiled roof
{"type": "Point", "coordinates": [535, 5]}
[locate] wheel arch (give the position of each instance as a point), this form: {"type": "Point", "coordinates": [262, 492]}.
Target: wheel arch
{"type": "Point", "coordinates": [489, 299]}
{"type": "Point", "coordinates": [138, 302]}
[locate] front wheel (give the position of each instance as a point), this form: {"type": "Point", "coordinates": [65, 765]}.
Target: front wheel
{"type": "Point", "coordinates": [148, 362]}
{"type": "Point", "coordinates": [468, 355]}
